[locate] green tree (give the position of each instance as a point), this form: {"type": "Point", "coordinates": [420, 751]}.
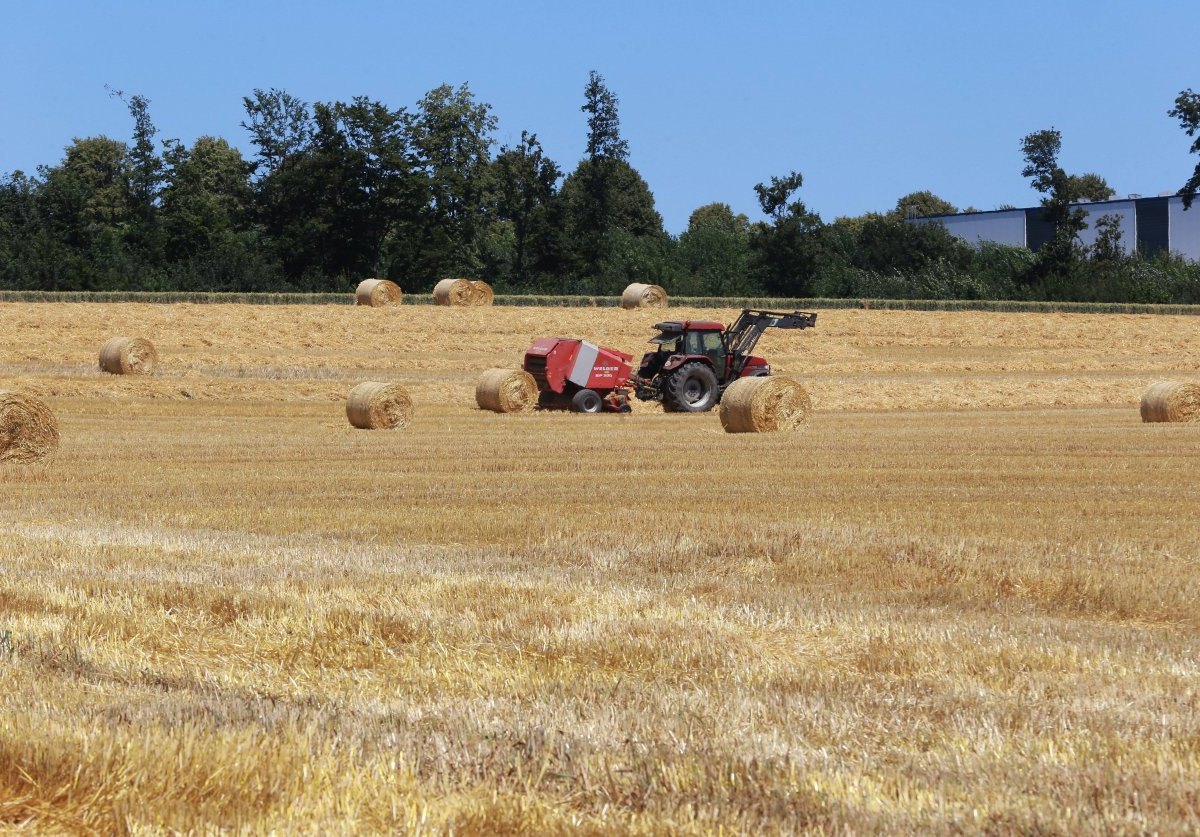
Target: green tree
{"type": "Point", "coordinates": [338, 183]}
{"type": "Point", "coordinates": [86, 207]}
{"type": "Point", "coordinates": [207, 197]}
{"type": "Point", "coordinates": [34, 252]}
{"type": "Point", "coordinates": [886, 246]}
{"type": "Point", "coordinates": [1108, 240]}
{"type": "Point", "coordinates": [790, 249]}
{"type": "Point", "coordinates": [1187, 111]}
{"type": "Point", "coordinates": [921, 205]}
{"type": "Point", "coordinates": [714, 250]}
{"type": "Point", "coordinates": [145, 167]}
{"type": "Point", "coordinates": [604, 123]}
{"type": "Point", "coordinates": [279, 125]}
{"type": "Point", "coordinates": [281, 128]}
{"type": "Point", "coordinates": [1060, 255]}
{"type": "Point", "coordinates": [1090, 187]}
{"type": "Point", "coordinates": [207, 206]}
{"type": "Point", "coordinates": [89, 191]}
{"type": "Point", "coordinates": [525, 183]}
{"type": "Point", "coordinates": [388, 191]}
{"type": "Point", "coordinates": [605, 202]}
{"type": "Point", "coordinates": [775, 198]}
{"type": "Point", "coordinates": [614, 231]}
{"type": "Point", "coordinates": [452, 134]}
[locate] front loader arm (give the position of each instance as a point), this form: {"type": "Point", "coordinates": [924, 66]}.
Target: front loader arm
{"type": "Point", "coordinates": [744, 334]}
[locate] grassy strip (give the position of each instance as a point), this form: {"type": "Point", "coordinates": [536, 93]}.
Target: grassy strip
{"type": "Point", "coordinates": [568, 301]}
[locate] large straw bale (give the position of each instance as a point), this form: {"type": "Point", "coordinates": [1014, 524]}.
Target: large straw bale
{"type": "Point", "coordinates": [454, 292]}
{"type": "Point", "coordinates": [28, 431]}
{"type": "Point", "coordinates": [378, 406]}
{"type": "Point", "coordinates": [128, 356]}
{"type": "Point", "coordinates": [378, 293]}
{"type": "Point", "coordinates": [481, 293]}
{"type": "Point", "coordinates": [763, 405]}
{"type": "Point", "coordinates": [1171, 401]}
{"type": "Point", "coordinates": [506, 391]}
{"type": "Point", "coordinates": [640, 295]}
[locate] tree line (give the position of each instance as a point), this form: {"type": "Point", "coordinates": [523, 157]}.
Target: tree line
{"type": "Point", "coordinates": [340, 191]}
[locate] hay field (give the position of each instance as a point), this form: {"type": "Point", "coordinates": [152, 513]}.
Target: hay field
{"type": "Point", "coordinates": [963, 599]}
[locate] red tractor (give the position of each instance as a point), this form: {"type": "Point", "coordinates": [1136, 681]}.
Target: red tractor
{"type": "Point", "coordinates": [694, 362]}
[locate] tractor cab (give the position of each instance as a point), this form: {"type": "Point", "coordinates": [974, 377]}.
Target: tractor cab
{"type": "Point", "coordinates": [679, 342]}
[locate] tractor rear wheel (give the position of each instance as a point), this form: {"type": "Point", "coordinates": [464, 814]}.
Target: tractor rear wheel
{"type": "Point", "coordinates": [587, 401]}
{"type": "Point", "coordinates": [692, 388]}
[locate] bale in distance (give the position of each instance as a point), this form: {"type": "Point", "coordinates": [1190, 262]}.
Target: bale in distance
{"type": "Point", "coordinates": [641, 295]}
{"type": "Point", "coordinates": [1171, 401]}
{"type": "Point", "coordinates": [378, 293]}
{"type": "Point", "coordinates": [28, 430]}
{"type": "Point", "coordinates": [128, 356]}
{"type": "Point", "coordinates": [506, 391]}
{"type": "Point", "coordinates": [454, 292]}
{"type": "Point", "coordinates": [764, 405]}
{"type": "Point", "coordinates": [378, 406]}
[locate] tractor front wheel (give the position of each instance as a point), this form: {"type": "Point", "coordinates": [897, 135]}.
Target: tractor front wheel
{"type": "Point", "coordinates": [692, 388]}
{"type": "Point", "coordinates": [587, 401]}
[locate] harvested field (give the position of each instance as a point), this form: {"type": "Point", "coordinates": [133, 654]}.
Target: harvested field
{"type": "Point", "coordinates": [853, 359]}
{"type": "Point", "coordinates": [962, 600]}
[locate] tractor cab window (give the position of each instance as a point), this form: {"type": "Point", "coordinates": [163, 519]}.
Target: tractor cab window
{"type": "Point", "coordinates": [712, 343]}
{"type": "Point", "coordinates": [693, 343]}
{"type": "Point", "coordinates": [712, 346]}
{"type": "Point", "coordinates": [667, 343]}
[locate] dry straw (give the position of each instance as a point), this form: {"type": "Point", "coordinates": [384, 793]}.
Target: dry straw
{"type": "Point", "coordinates": [128, 356]}
{"type": "Point", "coordinates": [764, 405]}
{"type": "Point", "coordinates": [378, 406]}
{"type": "Point", "coordinates": [506, 391]}
{"type": "Point", "coordinates": [1170, 401]}
{"type": "Point", "coordinates": [481, 293]}
{"type": "Point", "coordinates": [639, 295]}
{"type": "Point", "coordinates": [378, 293]}
{"type": "Point", "coordinates": [28, 431]}
{"type": "Point", "coordinates": [463, 292]}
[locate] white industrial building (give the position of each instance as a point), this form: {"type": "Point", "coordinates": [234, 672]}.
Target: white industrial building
{"type": "Point", "coordinates": [1148, 225]}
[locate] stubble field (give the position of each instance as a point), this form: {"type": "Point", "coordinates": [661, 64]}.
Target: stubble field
{"type": "Point", "coordinates": [963, 599]}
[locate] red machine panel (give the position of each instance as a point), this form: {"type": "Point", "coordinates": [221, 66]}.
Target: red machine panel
{"type": "Point", "coordinates": [557, 362]}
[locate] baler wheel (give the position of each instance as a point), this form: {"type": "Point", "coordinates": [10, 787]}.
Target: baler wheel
{"type": "Point", "coordinates": [692, 388]}
{"type": "Point", "coordinates": [587, 401]}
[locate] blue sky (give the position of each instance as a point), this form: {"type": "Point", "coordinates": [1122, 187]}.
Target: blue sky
{"type": "Point", "coordinates": [869, 100]}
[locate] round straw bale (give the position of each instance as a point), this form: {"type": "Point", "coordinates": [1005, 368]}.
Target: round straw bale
{"type": "Point", "coordinates": [1170, 401]}
{"type": "Point", "coordinates": [506, 391]}
{"type": "Point", "coordinates": [128, 356]}
{"type": "Point", "coordinates": [28, 431]}
{"type": "Point", "coordinates": [481, 293]}
{"type": "Point", "coordinates": [377, 406]}
{"type": "Point", "coordinates": [453, 292]}
{"type": "Point", "coordinates": [378, 293]}
{"type": "Point", "coordinates": [763, 405]}
{"type": "Point", "coordinates": [640, 295]}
